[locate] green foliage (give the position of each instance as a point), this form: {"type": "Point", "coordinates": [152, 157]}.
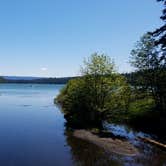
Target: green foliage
{"type": "Point", "coordinates": [148, 59]}
{"type": "Point", "coordinates": [143, 114]}
{"type": "Point", "coordinates": [92, 98]}
{"type": "Point", "coordinates": [141, 107]}
{"type": "Point", "coordinates": [160, 33]}
{"type": "Point", "coordinates": [98, 65]}
{"type": "Point", "coordinates": [145, 56]}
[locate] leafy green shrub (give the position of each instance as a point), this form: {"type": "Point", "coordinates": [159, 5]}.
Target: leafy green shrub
{"type": "Point", "coordinates": [92, 98]}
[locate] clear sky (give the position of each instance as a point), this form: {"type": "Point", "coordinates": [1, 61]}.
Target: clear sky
{"type": "Point", "coordinates": [52, 37]}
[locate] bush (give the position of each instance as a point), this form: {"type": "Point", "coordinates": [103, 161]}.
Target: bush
{"type": "Point", "coordinates": [92, 98]}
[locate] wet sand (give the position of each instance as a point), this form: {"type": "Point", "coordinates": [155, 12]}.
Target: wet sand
{"type": "Point", "coordinates": [108, 144]}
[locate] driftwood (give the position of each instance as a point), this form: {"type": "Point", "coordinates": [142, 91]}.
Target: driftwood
{"type": "Point", "coordinates": [151, 141]}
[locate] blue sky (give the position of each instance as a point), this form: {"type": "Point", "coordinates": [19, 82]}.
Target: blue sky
{"type": "Point", "coordinates": [52, 37]}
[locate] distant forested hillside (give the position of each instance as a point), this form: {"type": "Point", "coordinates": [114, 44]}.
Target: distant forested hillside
{"type": "Point", "coordinates": [133, 78]}
{"type": "Point", "coordinates": [62, 80]}
{"type": "Point", "coordinates": [2, 80]}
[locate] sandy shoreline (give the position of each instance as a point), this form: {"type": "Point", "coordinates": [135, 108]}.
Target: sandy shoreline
{"type": "Point", "coordinates": [108, 144]}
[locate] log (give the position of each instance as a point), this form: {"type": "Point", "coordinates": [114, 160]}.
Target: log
{"type": "Point", "coordinates": [151, 141]}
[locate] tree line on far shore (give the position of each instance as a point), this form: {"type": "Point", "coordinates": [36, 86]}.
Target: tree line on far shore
{"type": "Point", "coordinates": [61, 80]}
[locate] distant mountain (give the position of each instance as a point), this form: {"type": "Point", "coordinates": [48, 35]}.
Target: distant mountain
{"type": "Point", "coordinates": [21, 78]}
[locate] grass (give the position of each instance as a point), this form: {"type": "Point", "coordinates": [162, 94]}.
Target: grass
{"type": "Point", "coordinates": [141, 108]}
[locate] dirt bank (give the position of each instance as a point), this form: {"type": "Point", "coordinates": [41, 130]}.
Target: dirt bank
{"type": "Point", "coordinates": [111, 145]}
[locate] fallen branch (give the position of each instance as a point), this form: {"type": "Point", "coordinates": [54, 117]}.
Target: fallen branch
{"type": "Point", "coordinates": [151, 141]}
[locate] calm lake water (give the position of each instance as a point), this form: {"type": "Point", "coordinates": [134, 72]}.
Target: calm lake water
{"type": "Point", "coordinates": [33, 133]}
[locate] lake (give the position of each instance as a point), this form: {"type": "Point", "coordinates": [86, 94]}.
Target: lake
{"type": "Point", "coordinates": [33, 133]}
